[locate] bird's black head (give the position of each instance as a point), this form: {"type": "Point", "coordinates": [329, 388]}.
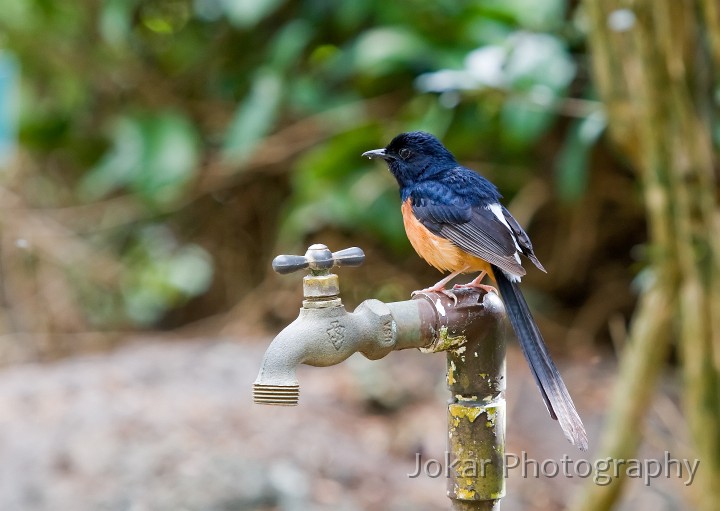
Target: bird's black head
{"type": "Point", "coordinates": [414, 156]}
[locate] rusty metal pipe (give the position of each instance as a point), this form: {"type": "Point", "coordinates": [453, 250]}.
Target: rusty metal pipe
{"type": "Point", "coordinates": [472, 333]}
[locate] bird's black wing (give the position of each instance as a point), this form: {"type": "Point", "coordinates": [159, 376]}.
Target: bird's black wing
{"type": "Point", "coordinates": [475, 229]}
{"type": "Point", "coordinates": [522, 238]}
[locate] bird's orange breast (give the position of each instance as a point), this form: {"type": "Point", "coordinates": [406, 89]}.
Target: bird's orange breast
{"type": "Point", "coordinates": [439, 252]}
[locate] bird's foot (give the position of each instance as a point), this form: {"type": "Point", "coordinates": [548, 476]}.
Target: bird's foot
{"type": "Point", "coordinates": [477, 285]}
{"type": "Point", "coordinates": [437, 289]}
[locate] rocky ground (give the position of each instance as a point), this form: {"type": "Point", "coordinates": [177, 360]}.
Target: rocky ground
{"type": "Point", "coordinates": [159, 425]}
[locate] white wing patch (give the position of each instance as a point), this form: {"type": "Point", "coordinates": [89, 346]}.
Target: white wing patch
{"type": "Point", "coordinates": [496, 210]}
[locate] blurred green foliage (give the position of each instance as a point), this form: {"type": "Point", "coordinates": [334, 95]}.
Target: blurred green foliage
{"type": "Point", "coordinates": [162, 272]}
{"type": "Point", "coordinates": [153, 156]}
{"type": "Point", "coordinates": [141, 99]}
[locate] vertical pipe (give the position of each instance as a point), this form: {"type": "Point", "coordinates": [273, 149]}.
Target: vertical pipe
{"type": "Point", "coordinates": [476, 411]}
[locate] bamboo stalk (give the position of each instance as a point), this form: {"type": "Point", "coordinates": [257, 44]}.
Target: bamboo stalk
{"type": "Point", "coordinates": [640, 366]}
{"type": "Point", "coordinates": [653, 78]}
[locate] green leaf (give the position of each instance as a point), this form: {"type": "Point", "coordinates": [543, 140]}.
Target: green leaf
{"type": "Point", "coordinates": [255, 116]}
{"type": "Point", "coordinates": [289, 43]}
{"type": "Point", "coordinates": [116, 20]}
{"type": "Point", "coordinates": [155, 155]}
{"type": "Point", "coordinates": [171, 158]}
{"type": "Point", "coordinates": [190, 270]}
{"type": "Point", "coordinates": [161, 274]}
{"type": "Point", "coordinates": [247, 13]}
{"type": "Point", "coordinates": [538, 60]}
{"type": "Point", "coordinates": [380, 50]}
{"type": "Point", "coordinates": [120, 165]}
{"type": "Point", "coordinates": [532, 14]}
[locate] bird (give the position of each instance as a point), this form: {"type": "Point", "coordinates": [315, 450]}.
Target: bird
{"type": "Point", "coordinates": [455, 221]}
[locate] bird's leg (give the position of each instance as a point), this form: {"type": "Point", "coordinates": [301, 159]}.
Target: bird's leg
{"type": "Point", "coordinates": [440, 286]}
{"type": "Point", "coordinates": [476, 283]}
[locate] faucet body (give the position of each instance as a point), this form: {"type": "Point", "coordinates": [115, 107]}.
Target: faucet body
{"type": "Point", "coordinates": [329, 335]}
{"type": "Point", "coordinates": [470, 330]}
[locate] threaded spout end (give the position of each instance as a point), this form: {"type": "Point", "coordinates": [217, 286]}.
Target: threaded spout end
{"type": "Point", "coordinates": [279, 395]}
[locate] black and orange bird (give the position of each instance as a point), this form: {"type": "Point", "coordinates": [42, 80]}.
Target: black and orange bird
{"type": "Point", "coordinates": [455, 221]}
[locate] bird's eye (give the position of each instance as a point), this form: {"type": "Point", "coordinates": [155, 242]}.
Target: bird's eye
{"type": "Point", "coordinates": [404, 153]}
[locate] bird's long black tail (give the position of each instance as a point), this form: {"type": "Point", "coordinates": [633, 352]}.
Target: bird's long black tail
{"type": "Point", "coordinates": [553, 390]}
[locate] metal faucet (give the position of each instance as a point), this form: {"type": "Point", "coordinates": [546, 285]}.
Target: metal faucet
{"type": "Point", "coordinates": [471, 332]}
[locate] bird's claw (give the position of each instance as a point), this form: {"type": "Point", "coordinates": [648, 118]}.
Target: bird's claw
{"type": "Point", "coordinates": [450, 295]}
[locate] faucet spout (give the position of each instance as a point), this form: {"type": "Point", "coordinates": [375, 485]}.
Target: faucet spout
{"type": "Point", "coordinates": [327, 336]}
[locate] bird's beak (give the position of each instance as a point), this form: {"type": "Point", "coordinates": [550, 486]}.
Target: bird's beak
{"type": "Point", "coordinates": [376, 153]}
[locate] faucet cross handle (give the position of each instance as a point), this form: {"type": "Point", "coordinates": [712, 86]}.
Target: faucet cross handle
{"type": "Point", "coordinates": [319, 259]}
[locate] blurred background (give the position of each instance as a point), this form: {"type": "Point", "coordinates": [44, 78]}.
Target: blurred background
{"type": "Point", "coordinates": [156, 155]}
